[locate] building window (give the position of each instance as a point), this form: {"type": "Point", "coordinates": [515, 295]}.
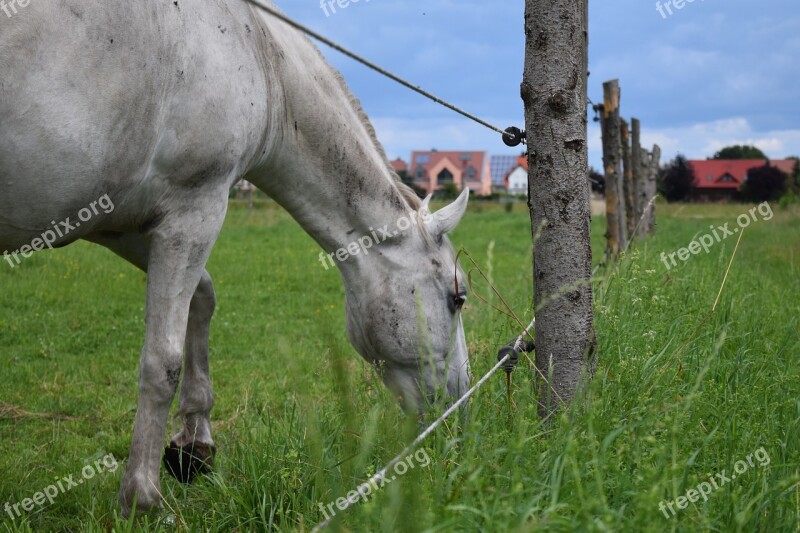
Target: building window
{"type": "Point", "coordinates": [419, 173]}
{"type": "Point", "coordinates": [423, 159]}
{"type": "Point", "coordinates": [445, 176]}
{"type": "Point", "coordinates": [465, 156]}
{"type": "Point", "coordinates": [709, 178]}
{"type": "Point", "coordinates": [471, 173]}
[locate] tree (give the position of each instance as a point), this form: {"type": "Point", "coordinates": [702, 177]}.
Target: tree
{"type": "Point", "coordinates": [677, 180]}
{"type": "Point", "coordinates": [408, 179]}
{"type": "Point", "coordinates": [795, 177]}
{"type": "Point", "coordinates": [448, 191]}
{"type": "Point", "coordinates": [763, 184]}
{"type": "Point", "coordinates": [740, 152]}
{"type": "Point", "coordinates": [554, 92]}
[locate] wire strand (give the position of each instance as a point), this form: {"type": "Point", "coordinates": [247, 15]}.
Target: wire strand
{"type": "Point", "coordinates": [380, 475]}
{"type": "Point", "coordinates": [369, 64]}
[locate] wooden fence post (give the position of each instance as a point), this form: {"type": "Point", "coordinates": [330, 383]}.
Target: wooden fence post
{"type": "Point", "coordinates": [639, 178]}
{"type": "Point", "coordinates": [627, 182]}
{"type": "Point", "coordinates": [651, 176]}
{"type": "Point", "coordinates": [612, 161]}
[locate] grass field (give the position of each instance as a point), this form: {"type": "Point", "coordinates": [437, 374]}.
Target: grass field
{"type": "Point", "coordinates": [300, 420]}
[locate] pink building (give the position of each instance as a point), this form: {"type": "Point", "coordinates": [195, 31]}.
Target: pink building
{"type": "Point", "coordinates": [433, 170]}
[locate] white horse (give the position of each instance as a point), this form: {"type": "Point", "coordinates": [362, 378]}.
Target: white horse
{"type": "Point", "coordinates": [153, 111]}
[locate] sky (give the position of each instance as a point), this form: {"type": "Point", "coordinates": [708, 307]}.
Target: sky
{"type": "Point", "coordinates": [711, 74]}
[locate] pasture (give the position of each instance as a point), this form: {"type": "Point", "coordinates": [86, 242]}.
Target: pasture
{"type": "Point", "coordinates": [300, 420]}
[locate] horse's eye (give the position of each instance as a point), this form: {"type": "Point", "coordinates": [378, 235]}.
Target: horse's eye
{"type": "Point", "coordinates": [459, 300]}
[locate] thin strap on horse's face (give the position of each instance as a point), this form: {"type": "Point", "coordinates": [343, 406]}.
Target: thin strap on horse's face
{"type": "Point", "coordinates": [455, 274]}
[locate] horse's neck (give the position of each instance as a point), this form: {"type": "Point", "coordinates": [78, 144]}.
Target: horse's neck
{"type": "Point", "coordinates": [326, 168]}
{"type": "Point", "coordinates": [336, 187]}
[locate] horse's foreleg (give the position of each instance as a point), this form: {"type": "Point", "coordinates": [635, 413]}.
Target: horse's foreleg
{"type": "Point", "coordinates": [177, 254]}
{"type": "Point", "coordinates": [191, 451]}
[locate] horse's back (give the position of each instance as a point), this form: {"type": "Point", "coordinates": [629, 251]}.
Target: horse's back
{"type": "Point", "coordinates": [136, 100]}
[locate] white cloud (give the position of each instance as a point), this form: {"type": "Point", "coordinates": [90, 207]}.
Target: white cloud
{"type": "Point", "coordinates": [703, 139]}
{"type": "Point", "coordinates": [401, 136]}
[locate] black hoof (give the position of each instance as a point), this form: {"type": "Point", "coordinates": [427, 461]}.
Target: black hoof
{"type": "Point", "coordinates": [187, 462]}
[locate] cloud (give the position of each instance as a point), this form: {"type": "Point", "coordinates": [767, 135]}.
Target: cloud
{"type": "Point", "coordinates": [715, 73]}
{"type": "Point", "coordinates": [703, 139]}
{"type": "Point", "coordinates": [401, 136]}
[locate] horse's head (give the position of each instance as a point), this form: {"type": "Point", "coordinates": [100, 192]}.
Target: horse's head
{"type": "Point", "coordinates": [404, 312]}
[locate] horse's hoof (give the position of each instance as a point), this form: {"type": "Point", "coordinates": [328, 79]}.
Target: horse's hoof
{"type": "Point", "coordinates": [185, 463]}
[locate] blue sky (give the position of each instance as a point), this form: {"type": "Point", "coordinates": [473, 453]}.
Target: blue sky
{"type": "Point", "coordinates": [715, 72]}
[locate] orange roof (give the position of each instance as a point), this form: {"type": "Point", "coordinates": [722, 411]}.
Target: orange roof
{"type": "Point", "coordinates": [522, 161]}
{"type": "Point", "coordinates": [730, 173]}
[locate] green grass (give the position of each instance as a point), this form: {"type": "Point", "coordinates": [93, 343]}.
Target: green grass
{"type": "Point", "coordinates": [300, 420]}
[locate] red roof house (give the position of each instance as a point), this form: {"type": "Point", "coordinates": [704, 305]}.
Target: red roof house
{"type": "Point", "coordinates": [719, 179]}
{"type": "Point", "coordinates": [399, 165]}
{"type": "Point", "coordinates": [516, 179]}
{"type": "Point", "coordinates": [433, 170]}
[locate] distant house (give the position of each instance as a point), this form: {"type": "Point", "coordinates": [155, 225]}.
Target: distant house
{"type": "Point", "coordinates": [516, 179]}
{"type": "Point", "coordinates": [399, 165]}
{"type": "Point", "coordinates": [718, 180]}
{"type": "Point", "coordinates": [500, 166]}
{"type": "Point", "coordinates": [433, 170]}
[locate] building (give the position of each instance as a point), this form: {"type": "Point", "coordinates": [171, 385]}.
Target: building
{"type": "Point", "coordinates": [718, 180]}
{"type": "Point", "coordinates": [399, 166]}
{"type": "Point", "coordinates": [434, 170]}
{"type": "Point", "coordinates": [516, 179]}
{"type": "Point", "coordinates": [500, 166]}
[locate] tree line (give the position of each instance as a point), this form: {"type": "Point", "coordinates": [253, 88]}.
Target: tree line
{"type": "Point", "coordinates": [764, 182]}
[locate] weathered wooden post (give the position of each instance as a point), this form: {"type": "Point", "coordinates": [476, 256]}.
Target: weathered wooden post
{"type": "Point", "coordinates": [652, 166]}
{"type": "Point", "coordinates": [645, 173]}
{"type": "Point", "coordinates": [627, 182]}
{"type": "Point", "coordinates": [554, 92]}
{"type": "Point", "coordinates": [638, 175]}
{"type": "Point", "coordinates": [612, 161]}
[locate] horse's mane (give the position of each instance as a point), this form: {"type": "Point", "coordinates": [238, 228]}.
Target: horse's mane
{"type": "Point", "coordinates": [406, 192]}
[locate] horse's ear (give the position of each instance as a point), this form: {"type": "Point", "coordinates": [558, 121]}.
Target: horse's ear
{"type": "Point", "coordinates": [447, 218]}
{"type": "Point", "coordinates": [425, 208]}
